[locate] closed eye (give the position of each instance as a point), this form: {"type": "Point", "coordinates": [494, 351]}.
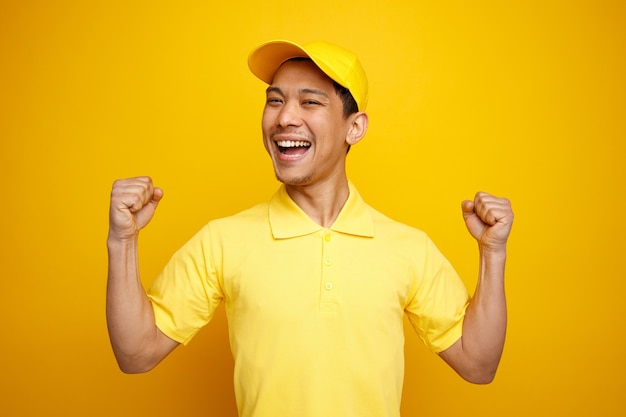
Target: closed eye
{"type": "Point", "coordinates": [272, 101]}
{"type": "Point", "coordinates": [273, 96]}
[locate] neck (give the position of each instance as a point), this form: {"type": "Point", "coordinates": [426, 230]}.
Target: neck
{"type": "Point", "coordinates": [322, 202]}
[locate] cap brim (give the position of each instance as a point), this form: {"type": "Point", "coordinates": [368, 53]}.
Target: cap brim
{"type": "Point", "coordinates": [267, 58]}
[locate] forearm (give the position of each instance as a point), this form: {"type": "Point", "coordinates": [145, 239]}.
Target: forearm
{"type": "Point", "coordinates": [130, 318]}
{"type": "Point", "coordinates": [484, 327]}
{"type": "Point", "coordinates": [476, 355]}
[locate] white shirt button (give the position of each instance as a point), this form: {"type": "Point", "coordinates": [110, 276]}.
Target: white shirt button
{"type": "Point", "coordinates": [329, 286]}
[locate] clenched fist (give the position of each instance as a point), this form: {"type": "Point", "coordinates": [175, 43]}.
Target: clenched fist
{"type": "Point", "coordinates": [488, 219]}
{"type": "Point", "coordinates": [133, 203]}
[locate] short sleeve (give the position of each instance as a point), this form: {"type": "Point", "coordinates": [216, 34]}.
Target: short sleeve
{"type": "Point", "coordinates": [437, 308]}
{"type": "Point", "coordinates": [187, 292]}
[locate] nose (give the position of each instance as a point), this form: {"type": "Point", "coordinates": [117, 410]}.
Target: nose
{"type": "Point", "coordinates": [289, 115]}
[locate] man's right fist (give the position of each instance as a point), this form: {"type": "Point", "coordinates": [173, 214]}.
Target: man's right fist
{"type": "Point", "coordinates": [133, 202]}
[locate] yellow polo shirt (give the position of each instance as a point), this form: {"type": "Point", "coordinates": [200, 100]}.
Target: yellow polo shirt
{"type": "Point", "coordinates": [315, 314]}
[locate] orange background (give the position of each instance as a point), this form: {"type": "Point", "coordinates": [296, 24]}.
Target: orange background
{"type": "Point", "coordinates": [522, 99]}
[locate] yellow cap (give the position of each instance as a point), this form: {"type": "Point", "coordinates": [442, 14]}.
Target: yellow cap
{"type": "Point", "coordinates": [338, 63]}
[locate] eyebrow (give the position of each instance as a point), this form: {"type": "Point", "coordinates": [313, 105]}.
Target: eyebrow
{"type": "Point", "coordinates": [272, 89]}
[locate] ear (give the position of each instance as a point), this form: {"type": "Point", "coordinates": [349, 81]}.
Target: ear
{"type": "Point", "coordinates": [358, 127]}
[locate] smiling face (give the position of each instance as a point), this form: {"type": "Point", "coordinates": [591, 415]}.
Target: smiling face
{"type": "Point", "coordinates": [304, 129]}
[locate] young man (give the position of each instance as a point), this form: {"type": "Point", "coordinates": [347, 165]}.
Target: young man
{"type": "Point", "coordinates": [315, 282]}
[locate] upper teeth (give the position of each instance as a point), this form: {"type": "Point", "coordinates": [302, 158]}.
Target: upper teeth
{"type": "Point", "coordinates": [292, 143]}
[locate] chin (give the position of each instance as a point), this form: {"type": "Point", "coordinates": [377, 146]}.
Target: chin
{"type": "Point", "coordinates": [294, 180]}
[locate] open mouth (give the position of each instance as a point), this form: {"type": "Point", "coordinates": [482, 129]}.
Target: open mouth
{"type": "Point", "coordinates": [293, 147]}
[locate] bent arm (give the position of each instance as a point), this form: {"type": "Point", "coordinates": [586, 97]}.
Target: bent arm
{"type": "Point", "coordinates": [137, 343]}
{"type": "Point", "coordinates": [476, 355]}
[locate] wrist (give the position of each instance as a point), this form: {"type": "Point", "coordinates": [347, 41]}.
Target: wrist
{"type": "Point", "coordinates": [492, 253]}
{"type": "Point", "coordinates": [119, 242]}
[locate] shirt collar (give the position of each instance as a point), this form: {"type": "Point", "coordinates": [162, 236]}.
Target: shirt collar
{"type": "Point", "coordinates": [288, 220]}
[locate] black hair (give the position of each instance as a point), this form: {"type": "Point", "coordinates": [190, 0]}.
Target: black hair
{"type": "Point", "coordinates": [349, 103]}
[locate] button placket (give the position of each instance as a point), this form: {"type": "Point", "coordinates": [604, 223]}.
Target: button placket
{"type": "Point", "coordinates": [328, 279]}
